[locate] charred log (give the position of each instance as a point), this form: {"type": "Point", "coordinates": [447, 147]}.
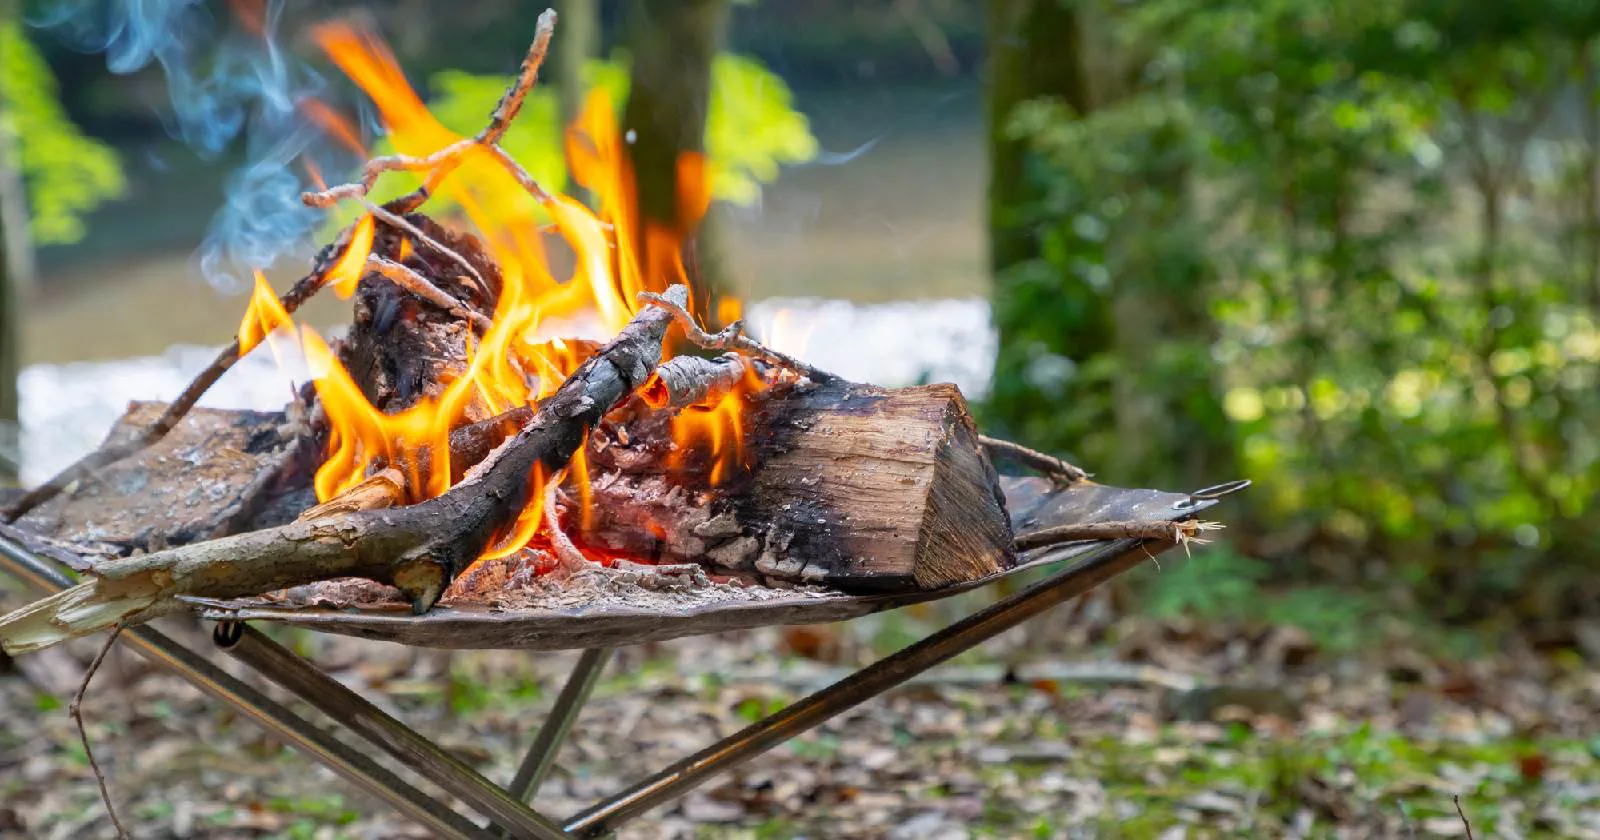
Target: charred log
{"type": "Point", "coordinates": [842, 484]}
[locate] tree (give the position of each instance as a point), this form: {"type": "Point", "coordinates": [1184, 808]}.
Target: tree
{"type": "Point", "coordinates": [669, 98]}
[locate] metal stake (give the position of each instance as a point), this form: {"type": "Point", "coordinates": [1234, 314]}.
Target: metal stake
{"type": "Point", "coordinates": [280, 721]}
{"type": "Point", "coordinates": [861, 686]}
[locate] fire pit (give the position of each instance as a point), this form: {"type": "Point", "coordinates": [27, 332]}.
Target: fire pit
{"type": "Point", "coordinates": [455, 478]}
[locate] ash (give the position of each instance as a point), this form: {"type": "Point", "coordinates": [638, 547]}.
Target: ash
{"type": "Point", "coordinates": [525, 582]}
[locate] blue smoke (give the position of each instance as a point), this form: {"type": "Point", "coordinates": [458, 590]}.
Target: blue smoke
{"type": "Point", "coordinates": [223, 85]}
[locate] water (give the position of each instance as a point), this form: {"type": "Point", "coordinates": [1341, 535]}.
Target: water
{"type": "Point", "coordinates": [67, 408]}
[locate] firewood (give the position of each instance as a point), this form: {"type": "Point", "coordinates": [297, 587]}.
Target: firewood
{"type": "Point", "coordinates": [418, 549]}
{"type": "Point", "coordinates": [848, 485]}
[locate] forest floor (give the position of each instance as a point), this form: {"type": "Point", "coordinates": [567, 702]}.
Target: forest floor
{"type": "Point", "coordinates": [1277, 737]}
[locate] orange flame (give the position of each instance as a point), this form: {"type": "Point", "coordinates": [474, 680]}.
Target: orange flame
{"type": "Point", "coordinates": [618, 256]}
{"type": "Point", "coordinates": [346, 272]}
{"type": "Point", "coordinates": [264, 316]}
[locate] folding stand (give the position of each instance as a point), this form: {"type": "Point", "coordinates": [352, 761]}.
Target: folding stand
{"type": "Point", "coordinates": [508, 816]}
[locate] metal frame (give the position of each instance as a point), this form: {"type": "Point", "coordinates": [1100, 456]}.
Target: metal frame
{"type": "Point", "coordinates": [504, 808]}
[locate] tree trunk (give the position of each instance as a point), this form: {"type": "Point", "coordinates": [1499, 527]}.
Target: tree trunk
{"type": "Point", "coordinates": [1035, 50]}
{"type": "Point", "coordinates": [16, 279]}
{"type": "Point", "coordinates": [669, 95]}
{"type": "Point", "coordinates": [578, 45]}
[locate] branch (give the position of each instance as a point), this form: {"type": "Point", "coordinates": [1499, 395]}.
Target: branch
{"type": "Point", "coordinates": [178, 408]}
{"type": "Point", "coordinates": [399, 222]}
{"type": "Point", "coordinates": [76, 711]}
{"type": "Point", "coordinates": [1156, 529]}
{"type": "Point", "coordinates": [418, 549]}
{"type": "Point", "coordinates": [686, 380]}
{"type": "Point", "coordinates": [423, 288]}
{"type": "Point", "coordinates": [733, 338]}
{"type": "Point", "coordinates": [441, 163]}
{"type": "Point", "coordinates": [1054, 467]}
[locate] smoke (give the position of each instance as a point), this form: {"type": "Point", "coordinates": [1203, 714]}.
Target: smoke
{"type": "Point", "coordinates": [226, 82]}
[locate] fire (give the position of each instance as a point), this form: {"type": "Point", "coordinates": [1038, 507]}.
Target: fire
{"type": "Point", "coordinates": [264, 316]}
{"type": "Point", "coordinates": [347, 270]}
{"type": "Point", "coordinates": [618, 256]}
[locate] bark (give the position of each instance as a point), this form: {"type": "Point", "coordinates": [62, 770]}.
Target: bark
{"type": "Point", "coordinates": [418, 549]}
{"type": "Point", "coordinates": [669, 94]}
{"type": "Point", "coordinates": [848, 485]}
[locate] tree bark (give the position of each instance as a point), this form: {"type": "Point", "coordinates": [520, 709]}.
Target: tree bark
{"type": "Point", "coordinates": [669, 96]}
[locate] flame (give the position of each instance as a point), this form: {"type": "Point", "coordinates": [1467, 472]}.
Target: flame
{"type": "Point", "coordinates": [346, 272]}
{"type": "Point", "coordinates": [618, 255]}
{"type": "Point", "coordinates": [717, 427]}
{"type": "Point", "coordinates": [264, 316]}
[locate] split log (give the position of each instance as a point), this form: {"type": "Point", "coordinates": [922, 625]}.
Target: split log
{"type": "Point", "coordinates": [418, 549]}
{"type": "Point", "coordinates": [216, 473]}
{"type": "Point", "coordinates": [852, 486]}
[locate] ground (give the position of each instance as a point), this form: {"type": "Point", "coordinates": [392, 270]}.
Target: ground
{"type": "Point", "coordinates": [1282, 738]}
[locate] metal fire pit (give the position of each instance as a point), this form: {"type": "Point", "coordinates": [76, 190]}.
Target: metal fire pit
{"type": "Point", "coordinates": [1034, 504]}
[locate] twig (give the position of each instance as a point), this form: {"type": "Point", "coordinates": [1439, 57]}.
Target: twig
{"type": "Point", "coordinates": [441, 163]}
{"type": "Point", "coordinates": [572, 560]}
{"type": "Point", "coordinates": [422, 287]}
{"type": "Point", "coordinates": [1050, 465]}
{"type": "Point", "coordinates": [1465, 823]}
{"type": "Point", "coordinates": [178, 408]}
{"type": "Point", "coordinates": [733, 338]}
{"type": "Point", "coordinates": [400, 222]}
{"type": "Point", "coordinates": [1182, 533]}
{"type": "Point", "coordinates": [76, 710]}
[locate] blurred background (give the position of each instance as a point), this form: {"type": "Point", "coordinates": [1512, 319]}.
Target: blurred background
{"type": "Point", "coordinates": [1348, 251]}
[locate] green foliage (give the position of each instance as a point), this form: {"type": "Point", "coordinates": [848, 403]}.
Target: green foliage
{"type": "Point", "coordinates": [752, 127]}
{"type": "Point", "coordinates": [66, 173]}
{"type": "Point", "coordinates": [1388, 212]}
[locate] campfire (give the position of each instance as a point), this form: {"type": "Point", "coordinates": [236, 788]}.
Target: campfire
{"type": "Point", "coordinates": [450, 447]}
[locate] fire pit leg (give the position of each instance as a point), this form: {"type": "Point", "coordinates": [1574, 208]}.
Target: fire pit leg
{"type": "Point", "coordinates": [356, 768]}
{"type": "Point", "coordinates": [863, 685]}
{"type": "Point", "coordinates": [355, 713]}
{"type": "Point", "coordinates": [542, 753]}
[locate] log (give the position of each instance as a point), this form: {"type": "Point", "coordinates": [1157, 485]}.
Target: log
{"type": "Point", "coordinates": [213, 475]}
{"type": "Point", "coordinates": [418, 549]}
{"type": "Point", "coordinates": [853, 486]}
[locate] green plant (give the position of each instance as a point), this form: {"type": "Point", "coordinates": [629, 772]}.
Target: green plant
{"type": "Point", "coordinates": [66, 173]}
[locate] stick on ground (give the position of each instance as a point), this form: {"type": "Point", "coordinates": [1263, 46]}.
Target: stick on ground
{"type": "Point", "coordinates": [76, 710]}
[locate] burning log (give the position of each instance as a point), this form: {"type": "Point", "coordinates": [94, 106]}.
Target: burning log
{"type": "Point", "coordinates": [846, 485]}
{"type": "Point", "coordinates": [418, 549]}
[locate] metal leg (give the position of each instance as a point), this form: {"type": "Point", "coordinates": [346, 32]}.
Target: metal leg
{"type": "Point", "coordinates": [280, 721]}
{"type": "Point", "coordinates": [861, 686]}
{"type": "Point", "coordinates": [413, 751]}
{"type": "Point", "coordinates": [542, 754]}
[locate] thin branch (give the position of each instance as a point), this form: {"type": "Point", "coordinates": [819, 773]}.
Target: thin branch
{"type": "Point", "coordinates": [1183, 533]}
{"type": "Point", "coordinates": [400, 222]}
{"type": "Point", "coordinates": [441, 163]}
{"type": "Point", "coordinates": [178, 408]}
{"type": "Point", "coordinates": [76, 710]}
{"type": "Point", "coordinates": [1050, 465]}
{"type": "Point", "coordinates": [733, 338]}
{"type": "Point", "coordinates": [1465, 823]}
{"type": "Point", "coordinates": [572, 560]}
{"type": "Point", "coordinates": [422, 287]}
